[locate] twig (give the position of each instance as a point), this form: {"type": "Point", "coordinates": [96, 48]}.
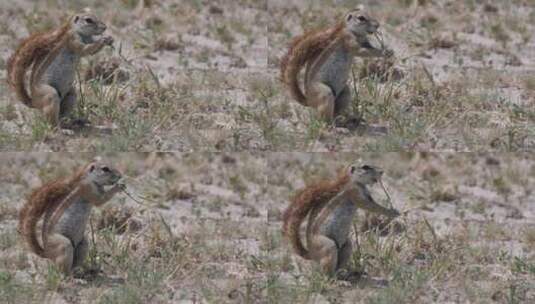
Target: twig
{"type": "Point", "coordinates": [386, 192]}
{"type": "Point", "coordinates": [154, 77]}
{"type": "Point", "coordinates": [429, 76]}
{"type": "Point", "coordinates": [167, 227]}
{"type": "Point", "coordinates": [120, 54]}
{"type": "Point", "coordinates": [133, 198]}
{"type": "Point", "coordinates": [435, 238]}
{"type": "Point", "coordinates": [379, 36]}
{"type": "Point", "coordinates": [144, 198]}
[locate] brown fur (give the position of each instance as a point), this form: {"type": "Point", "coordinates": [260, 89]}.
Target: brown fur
{"type": "Point", "coordinates": [309, 200]}
{"type": "Point", "coordinates": [43, 200]}
{"type": "Point", "coordinates": [304, 49]}
{"type": "Point", "coordinates": [32, 51]}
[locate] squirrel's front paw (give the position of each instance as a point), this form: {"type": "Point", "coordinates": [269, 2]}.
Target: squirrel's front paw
{"type": "Point", "coordinates": [394, 213]}
{"type": "Point", "coordinates": [107, 40]}
{"type": "Point", "coordinates": [121, 186]}
{"type": "Point", "coordinates": [388, 53]}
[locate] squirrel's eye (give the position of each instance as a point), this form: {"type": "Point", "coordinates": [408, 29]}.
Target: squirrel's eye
{"type": "Point", "coordinates": [366, 167]}
{"type": "Point", "coordinates": [362, 18]}
{"type": "Point", "coordinates": [89, 20]}
{"type": "Point", "coordinates": [106, 169]}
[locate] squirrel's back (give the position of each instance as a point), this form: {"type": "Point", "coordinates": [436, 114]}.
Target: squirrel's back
{"type": "Point", "coordinates": [42, 200]}
{"type": "Point", "coordinates": [305, 48]}
{"type": "Point", "coordinates": [30, 52]}
{"type": "Point", "coordinates": [312, 197]}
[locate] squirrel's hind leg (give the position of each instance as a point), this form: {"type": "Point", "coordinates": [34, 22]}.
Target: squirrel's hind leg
{"type": "Point", "coordinates": [46, 98]}
{"type": "Point", "coordinates": [342, 101]}
{"type": "Point", "coordinates": [68, 103]}
{"type": "Point", "coordinates": [61, 252]}
{"type": "Point", "coordinates": [320, 96]}
{"type": "Point", "coordinates": [80, 252]}
{"type": "Point", "coordinates": [344, 255]}
{"type": "Point", "coordinates": [325, 252]}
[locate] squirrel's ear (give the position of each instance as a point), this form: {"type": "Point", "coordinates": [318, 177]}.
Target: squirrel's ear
{"type": "Point", "coordinates": [349, 16]}
{"type": "Point", "coordinates": [91, 167]}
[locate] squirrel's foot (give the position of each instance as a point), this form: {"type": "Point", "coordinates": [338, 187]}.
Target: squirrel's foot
{"type": "Point", "coordinates": [349, 276]}
{"type": "Point", "coordinates": [75, 124]}
{"type": "Point", "coordinates": [350, 123]}
{"type": "Point", "coordinates": [80, 123]}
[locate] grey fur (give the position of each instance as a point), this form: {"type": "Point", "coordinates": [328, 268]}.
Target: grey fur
{"type": "Point", "coordinates": [67, 245]}
{"type": "Point", "coordinates": [53, 78]}
{"type": "Point", "coordinates": [328, 236]}
{"type": "Point", "coordinates": [327, 76]}
{"type": "Point", "coordinates": [338, 224]}
{"type": "Point", "coordinates": [72, 223]}
{"type": "Point", "coordinates": [61, 73]}
{"type": "Point", "coordinates": [335, 72]}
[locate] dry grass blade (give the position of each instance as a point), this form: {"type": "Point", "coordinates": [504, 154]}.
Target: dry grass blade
{"type": "Point", "coordinates": [386, 193]}
{"type": "Point", "coordinates": [139, 202]}
{"type": "Point", "coordinates": [379, 36]}
{"type": "Point", "coordinates": [431, 229]}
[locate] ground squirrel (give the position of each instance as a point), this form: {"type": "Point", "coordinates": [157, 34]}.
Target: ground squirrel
{"type": "Point", "coordinates": [67, 202]}
{"type": "Point", "coordinates": [53, 56]}
{"type": "Point", "coordinates": [328, 55]}
{"type": "Point", "coordinates": [330, 206]}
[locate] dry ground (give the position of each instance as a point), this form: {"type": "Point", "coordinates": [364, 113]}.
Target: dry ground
{"type": "Point", "coordinates": [198, 75]}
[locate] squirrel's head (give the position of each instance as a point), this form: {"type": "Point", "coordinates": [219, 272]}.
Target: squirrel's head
{"type": "Point", "coordinates": [87, 24]}
{"type": "Point", "coordinates": [360, 23]}
{"type": "Point", "coordinates": [365, 174]}
{"type": "Point", "coordinates": [101, 174]}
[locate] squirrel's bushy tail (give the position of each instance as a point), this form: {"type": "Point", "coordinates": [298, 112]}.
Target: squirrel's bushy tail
{"type": "Point", "coordinates": [29, 216]}
{"type": "Point", "coordinates": [303, 49]}
{"type": "Point", "coordinates": [42, 200]}
{"type": "Point", "coordinates": [30, 52]}
{"type": "Point", "coordinates": [302, 203]}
